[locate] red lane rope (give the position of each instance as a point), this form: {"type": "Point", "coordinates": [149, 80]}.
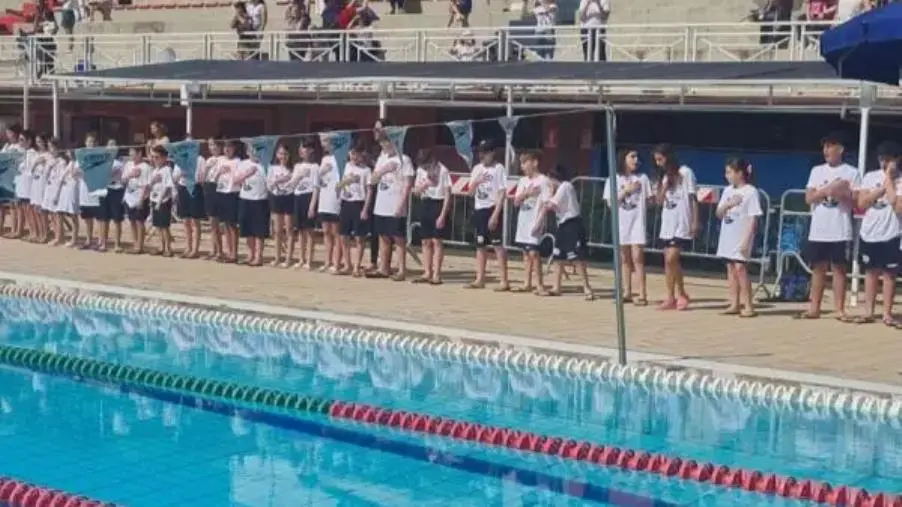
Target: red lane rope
{"type": "Point", "coordinates": [690, 470]}
{"type": "Point", "coordinates": [15, 493]}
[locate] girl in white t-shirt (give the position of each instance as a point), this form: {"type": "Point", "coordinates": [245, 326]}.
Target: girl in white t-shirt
{"type": "Point", "coordinates": [281, 191]}
{"type": "Point", "coordinates": [227, 200]}
{"type": "Point", "coordinates": [675, 193]}
{"type": "Point", "coordinates": [22, 219]}
{"type": "Point", "coordinates": [877, 194]}
{"type": "Point", "coordinates": [161, 192]}
{"type": "Point", "coordinates": [570, 240]}
{"type": "Point", "coordinates": [532, 190]}
{"type": "Point", "coordinates": [190, 204]}
{"type": "Point", "coordinates": [304, 214]}
{"type": "Point", "coordinates": [738, 211]}
{"type": "Point", "coordinates": [328, 206]}
{"type": "Point", "coordinates": [633, 194]}
{"type": "Point", "coordinates": [253, 207]}
{"type": "Point", "coordinates": [136, 179]}
{"type": "Point", "coordinates": [433, 187]}
{"type": "Point", "coordinates": [56, 176]}
{"type": "Point", "coordinates": [207, 178]}
{"type": "Point", "coordinates": [67, 203]}
{"type": "Point", "coordinates": [39, 175]}
{"type": "Point", "coordinates": [355, 194]}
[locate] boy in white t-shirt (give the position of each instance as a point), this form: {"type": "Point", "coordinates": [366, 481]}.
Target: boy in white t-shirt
{"type": "Point", "coordinates": [393, 175]}
{"type": "Point", "coordinates": [488, 187]}
{"type": "Point", "coordinates": [829, 193]}
{"type": "Point", "coordinates": [879, 246]}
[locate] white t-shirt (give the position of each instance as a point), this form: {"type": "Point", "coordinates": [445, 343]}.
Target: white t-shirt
{"type": "Point", "coordinates": [276, 173]}
{"type": "Point", "coordinates": [566, 202]}
{"type": "Point", "coordinates": [326, 178]}
{"type": "Point", "coordinates": [527, 211]}
{"type": "Point", "coordinates": [134, 187]}
{"type": "Point", "coordinates": [735, 222]}
{"type": "Point", "coordinates": [391, 183]}
{"type": "Point", "coordinates": [304, 174]}
{"type": "Point", "coordinates": [116, 175]}
{"type": "Point", "coordinates": [179, 179]}
{"type": "Point", "coordinates": [254, 186]}
{"type": "Point", "coordinates": [438, 185]}
{"type": "Point", "coordinates": [593, 12]}
{"type": "Point", "coordinates": [487, 191]}
{"type": "Point", "coordinates": [545, 15]}
{"type": "Point", "coordinates": [160, 181]}
{"type": "Point", "coordinates": [227, 168]}
{"type": "Point", "coordinates": [831, 221]}
{"type": "Point", "coordinates": [632, 210]}
{"type": "Point", "coordinates": [355, 191]}
{"type": "Point", "coordinates": [676, 211]}
{"type": "Point", "coordinates": [210, 166]}
{"type": "Point", "coordinates": [880, 222]}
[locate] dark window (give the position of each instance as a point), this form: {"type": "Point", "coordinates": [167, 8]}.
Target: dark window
{"type": "Point", "coordinates": [106, 128]}
{"type": "Point", "coordinates": [234, 129]}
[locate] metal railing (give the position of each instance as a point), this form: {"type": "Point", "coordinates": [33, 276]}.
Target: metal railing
{"type": "Point", "coordinates": [726, 42]}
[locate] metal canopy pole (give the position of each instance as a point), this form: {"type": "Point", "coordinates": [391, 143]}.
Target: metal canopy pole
{"type": "Point", "coordinates": [55, 97]}
{"type": "Point", "coordinates": [508, 160]}
{"type": "Point", "coordinates": [866, 98]}
{"type": "Point", "coordinates": [26, 106]}
{"type": "Point", "coordinates": [187, 102]}
{"type": "Point", "coordinates": [611, 147]}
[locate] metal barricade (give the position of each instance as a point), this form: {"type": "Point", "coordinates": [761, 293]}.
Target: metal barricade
{"type": "Point", "coordinates": [704, 245]}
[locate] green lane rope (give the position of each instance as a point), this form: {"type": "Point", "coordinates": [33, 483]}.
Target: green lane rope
{"type": "Point", "coordinates": [115, 374]}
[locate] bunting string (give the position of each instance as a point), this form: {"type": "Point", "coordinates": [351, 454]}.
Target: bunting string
{"type": "Point", "coordinates": [97, 163]}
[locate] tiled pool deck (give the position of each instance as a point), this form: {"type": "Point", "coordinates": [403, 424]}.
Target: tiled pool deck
{"type": "Point", "coordinates": [826, 347]}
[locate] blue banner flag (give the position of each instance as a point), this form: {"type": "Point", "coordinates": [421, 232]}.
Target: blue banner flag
{"type": "Point", "coordinates": [184, 154]}
{"type": "Point", "coordinates": [396, 136]}
{"type": "Point", "coordinates": [263, 147]}
{"type": "Point", "coordinates": [508, 124]}
{"type": "Point", "coordinates": [340, 141]}
{"type": "Point", "coordinates": [9, 169]}
{"type": "Point", "coordinates": [462, 132]}
{"type": "Point", "coordinates": [96, 166]}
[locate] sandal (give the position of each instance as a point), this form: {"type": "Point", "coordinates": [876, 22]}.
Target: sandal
{"type": "Point", "coordinates": [475, 285]}
{"type": "Point", "coordinates": [420, 280]}
{"type": "Point", "coordinates": [846, 319]}
{"type": "Point", "coordinates": [502, 288]}
{"type": "Point", "coordinates": [399, 277]}
{"type": "Point", "coordinates": [436, 281]}
{"type": "Point", "coordinates": [748, 314]}
{"type": "Point", "coordinates": [890, 322]}
{"type": "Point", "coordinates": [863, 319]}
{"type": "Point", "coordinates": [521, 289]}
{"type": "Point", "coordinates": [640, 301]}
{"type": "Point", "coordinates": [806, 316]}
{"type": "Point", "coordinates": [667, 305]}
{"type": "Point", "coordinates": [730, 311]}
{"type": "Point", "coordinates": [590, 296]}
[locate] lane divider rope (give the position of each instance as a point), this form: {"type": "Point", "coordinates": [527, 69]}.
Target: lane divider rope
{"type": "Point", "coordinates": [583, 451]}
{"type": "Point", "coordinates": [769, 395]}
{"type": "Point", "coordinates": [15, 493]}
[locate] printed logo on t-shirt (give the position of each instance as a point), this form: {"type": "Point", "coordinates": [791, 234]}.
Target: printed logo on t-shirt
{"type": "Point", "coordinates": [672, 199]}
{"type": "Point", "coordinates": [829, 202]}
{"type": "Point", "coordinates": [482, 191]}
{"type": "Point", "coordinates": [630, 203]}
{"type": "Point", "coordinates": [324, 181]}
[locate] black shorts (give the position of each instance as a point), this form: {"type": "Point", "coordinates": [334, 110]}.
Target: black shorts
{"type": "Point", "coordinates": [227, 208]}
{"type": "Point", "coordinates": [281, 204]}
{"type": "Point", "coordinates": [430, 209]}
{"type": "Point", "coordinates": [833, 252]}
{"type": "Point", "coordinates": [161, 215]}
{"type": "Point", "coordinates": [139, 214]}
{"type": "Point", "coordinates": [300, 218]}
{"type": "Point", "coordinates": [390, 227]}
{"type": "Point", "coordinates": [112, 209]}
{"type": "Point", "coordinates": [209, 199]}
{"type": "Point", "coordinates": [328, 218]}
{"type": "Point", "coordinates": [570, 241]}
{"type": "Point", "coordinates": [350, 223]}
{"type": "Point", "coordinates": [253, 218]}
{"type": "Point", "coordinates": [67, 20]}
{"type": "Point", "coordinates": [191, 206]}
{"type": "Point", "coordinates": [680, 243]}
{"type": "Point", "coordinates": [484, 235]}
{"type": "Point", "coordinates": [23, 200]}
{"type": "Point", "coordinates": [883, 255]}
{"type": "Point", "coordinates": [89, 212]}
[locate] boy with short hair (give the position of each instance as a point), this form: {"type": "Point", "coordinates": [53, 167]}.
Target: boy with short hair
{"type": "Point", "coordinates": [488, 187]}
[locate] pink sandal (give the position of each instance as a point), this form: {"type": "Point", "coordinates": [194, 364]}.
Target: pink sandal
{"type": "Point", "coordinates": [667, 305]}
{"type": "Point", "coordinates": [682, 303]}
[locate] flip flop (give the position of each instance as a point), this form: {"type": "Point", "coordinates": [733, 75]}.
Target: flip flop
{"type": "Point", "coordinates": [436, 282]}
{"type": "Point", "coordinates": [890, 322]}
{"type": "Point", "coordinates": [846, 319]}
{"type": "Point", "coordinates": [420, 280]}
{"type": "Point", "coordinates": [863, 319]}
{"type": "Point", "coordinates": [731, 311]}
{"type": "Point", "coordinates": [640, 302]}
{"type": "Point", "coordinates": [748, 315]}
{"type": "Point", "coordinates": [474, 285]}
{"type": "Point", "coordinates": [502, 288]}
{"type": "Point", "coordinates": [805, 316]}
{"type": "Point", "coordinates": [520, 290]}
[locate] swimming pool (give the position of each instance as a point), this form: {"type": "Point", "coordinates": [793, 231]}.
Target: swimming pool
{"type": "Point", "coordinates": [150, 446]}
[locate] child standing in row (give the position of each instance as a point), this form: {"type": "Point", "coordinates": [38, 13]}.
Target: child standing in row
{"type": "Point", "coordinates": [355, 195]}
{"type": "Point", "coordinates": [433, 187]}
{"type": "Point", "coordinates": [304, 212]}
{"type": "Point", "coordinates": [633, 195]}
{"type": "Point", "coordinates": [676, 193]}
{"type": "Point", "coordinates": [738, 210]}
{"type": "Point", "coordinates": [328, 205]}
{"type": "Point", "coordinates": [533, 189]}
{"type": "Point", "coordinates": [488, 187]}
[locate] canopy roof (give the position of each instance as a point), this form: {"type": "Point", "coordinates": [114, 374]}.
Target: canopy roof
{"type": "Point", "coordinates": [276, 73]}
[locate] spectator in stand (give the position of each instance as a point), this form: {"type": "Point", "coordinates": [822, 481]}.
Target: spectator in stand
{"type": "Point", "coordinates": [773, 11]}
{"type": "Point", "coordinates": [256, 11]}
{"type": "Point", "coordinates": [68, 17]}
{"type": "Point", "coordinates": [593, 16]}
{"type": "Point", "coordinates": [464, 48]}
{"type": "Point", "coordinates": [244, 27]}
{"type": "Point", "coordinates": [396, 5]}
{"type": "Point", "coordinates": [44, 31]}
{"type": "Point", "coordinates": [104, 7]}
{"type": "Point", "coordinates": [545, 12]}
{"type": "Point", "coordinates": [821, 13]}
{"type": "Point", "coordinates": [847, 9]}
{"type": "Point", "coordinates": [459, 12]}
{"type": "Point", "coordinates": [297, 19]}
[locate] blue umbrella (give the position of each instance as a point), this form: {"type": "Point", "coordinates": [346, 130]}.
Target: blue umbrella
{"type": "Point", "coordinates": [867, 47]}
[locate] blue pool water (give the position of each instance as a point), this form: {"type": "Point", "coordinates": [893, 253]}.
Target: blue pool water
{"type": "Point", "coordinates": [141, 448]}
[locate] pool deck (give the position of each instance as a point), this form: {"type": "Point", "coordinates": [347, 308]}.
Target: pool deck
{"type": "Point", "coordinates": [772, 345]}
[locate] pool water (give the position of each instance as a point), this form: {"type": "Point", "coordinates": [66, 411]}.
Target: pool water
{"type": "Point", "coordinates": [152, 450]}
